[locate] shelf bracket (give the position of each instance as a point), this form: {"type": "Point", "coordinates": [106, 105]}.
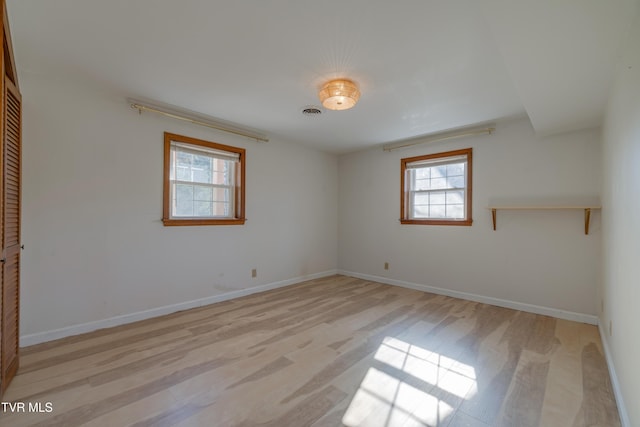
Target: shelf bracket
{"type": "Point", "coordinates": [587, 218]}
{"type": "Point", "coordinates": [493, 216]}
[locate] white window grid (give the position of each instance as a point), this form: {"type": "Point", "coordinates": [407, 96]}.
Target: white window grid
{"type": "Point", "coordinates": [450, 194]}
{"type": "Point", "coordinates": [230, 161]}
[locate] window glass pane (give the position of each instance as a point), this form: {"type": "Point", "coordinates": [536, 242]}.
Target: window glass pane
{"type": "Point", "coordinates": [222, 171]}
{"type": "Point", "coordinates": [437, 211]}
{"type": "Point", "coordinates": [221, 209]}
{"type": "Point", "coordinates": [438, 171]}
{"type": "Point", "coordinates": [454, 197]}
{"type": "Point", "coordinates": [183, 200]}
{"type": "Point", "coordinates": [202, 209]}
{"type": "Point", "coordinates": [422, 184]}
{"type": "Point", "coordinates": [202, 169]}
{"type": "Point", "coordinates": [421, 212]}
{"type": "Point", "coordinates": [423, 173]}
{"type": "Point", "coordinates": [221, 195]}
{"type": "Point", "coordinates": [455, 169]}
{"type": "Point", "coordinates": [421, 199]}
{"type": "Point", "coordinates": [203, 194]}
{"type": "Point", "coordinates": [183, 173]}
{"type": "Point", "coordinates": [184, 209]}
{"type": "Point", "coordinates": [439, 183]}
{"type": "Point", "coordinates": [184, 159]}
{"type": "Point", "coordinates": [455, 211]}
{"type": "Point", "coordinates": [183, 166]}
{"type": "Point", "coordinates": [202, 201]}
{"type": "Point", "coordinates": [455, 182]}
{"type": "Point", "coordinates": [221, 178]}
{"type": "Point", "coordinates": [201, 161]}
{"type": "Point", "coordinates": [184, 192]}
{"type": "Point", "coordinates": [437, 198]}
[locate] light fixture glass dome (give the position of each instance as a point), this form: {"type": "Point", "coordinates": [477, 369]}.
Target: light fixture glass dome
{"type": "Point", "coordinates": [339, 94]}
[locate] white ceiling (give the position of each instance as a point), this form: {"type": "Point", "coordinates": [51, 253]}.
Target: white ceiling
{"type": "Point", "coordinates": [423, 66]}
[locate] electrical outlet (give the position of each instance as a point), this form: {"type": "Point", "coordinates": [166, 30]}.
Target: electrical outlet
{"type": "Point", "coordinates": [254, 272]}
{"type": "Point", "coordinates": [386, 265]}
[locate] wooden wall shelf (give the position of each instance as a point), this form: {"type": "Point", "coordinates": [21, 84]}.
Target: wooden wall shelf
{"type": "Point", "coordinates": [587, 212]}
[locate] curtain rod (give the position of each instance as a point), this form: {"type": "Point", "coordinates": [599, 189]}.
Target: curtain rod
{"type": "Point", "coordinates": [487, 129]}
{"type": "Point", "coordinates": [202, 121]}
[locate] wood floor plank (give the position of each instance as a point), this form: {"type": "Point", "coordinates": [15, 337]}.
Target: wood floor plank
{"type": "Point", "coordinates": [564, 390]}
{"type": "Point", "coordinates": [328, 352]}
{"type": "Point", "coordinates": [523, 405]}
{"type": "Point", "coordinates": [598, 404]}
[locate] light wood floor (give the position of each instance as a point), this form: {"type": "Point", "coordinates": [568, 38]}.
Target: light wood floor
{"type": "Point", "coordinates": [329, 352]}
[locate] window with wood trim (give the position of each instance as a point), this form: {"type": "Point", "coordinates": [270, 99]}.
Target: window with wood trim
{"type": "Point", "coordinates": [436, 188]}
{"type": "Point", "coordinates": [203, 182]}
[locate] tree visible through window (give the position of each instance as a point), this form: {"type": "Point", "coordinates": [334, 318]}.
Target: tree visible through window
{"type": "Point", "coordinates": [203, 182]}
{"type": "Point", "coordinates": [436, 189]}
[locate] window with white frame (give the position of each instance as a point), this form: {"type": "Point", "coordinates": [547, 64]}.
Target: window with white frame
{"type": "Point", "coordinates": [436, 188]}
{"type": "Point", "coordinates": [204, 182]}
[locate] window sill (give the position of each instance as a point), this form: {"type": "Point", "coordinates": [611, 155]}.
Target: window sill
{"type": "Point", "coordinates": [187, 222]}
{"type": "Point", "coordinates": [466, 222]}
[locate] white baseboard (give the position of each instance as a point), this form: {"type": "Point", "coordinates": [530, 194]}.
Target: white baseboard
{"type": "Point", "coordinates": [617, 391]}
{"type": "Point", "coordinates": [40, 337]}
{"type": "Point", "coordinates": [547, 311]}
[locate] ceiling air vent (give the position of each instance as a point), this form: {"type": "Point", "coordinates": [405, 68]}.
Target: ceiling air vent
{"type": "Point", "coordinates": [311, 111]}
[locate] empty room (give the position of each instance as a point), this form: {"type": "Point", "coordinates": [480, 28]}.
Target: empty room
{"type": "Point", "coordinates": [331, 213]}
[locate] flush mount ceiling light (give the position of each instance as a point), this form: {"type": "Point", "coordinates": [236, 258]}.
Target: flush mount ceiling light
{"type": "Point", "coordinates": [339, 94]}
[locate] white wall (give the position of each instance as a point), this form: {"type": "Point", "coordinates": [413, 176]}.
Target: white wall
{"type": "Point", "coordinates": [621, 225]}
{"type": "Point", "coordinates": [92, 203]}
{"type": "Point", "coordinates": [538, 258]}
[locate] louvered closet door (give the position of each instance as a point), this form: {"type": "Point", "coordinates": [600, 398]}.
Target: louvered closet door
{"type": "Point", "coordinates": [11, 155]}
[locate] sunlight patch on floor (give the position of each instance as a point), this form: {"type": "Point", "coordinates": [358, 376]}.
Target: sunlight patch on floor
{"type": "Point", "coordinates": [411, 385]}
